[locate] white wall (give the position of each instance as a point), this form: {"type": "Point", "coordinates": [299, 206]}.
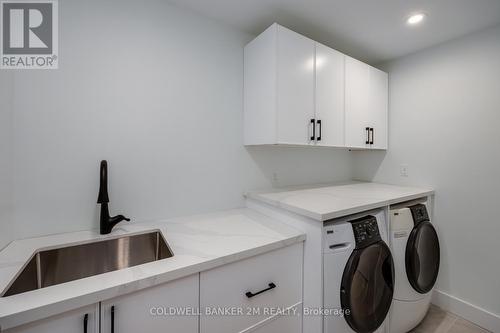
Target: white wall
{"type": "Point", "coordinates": [155, 90]}
{"type": "Point", "coordinates": [6, 97]}
{"type": "Point", "coordinates": [445, 124]}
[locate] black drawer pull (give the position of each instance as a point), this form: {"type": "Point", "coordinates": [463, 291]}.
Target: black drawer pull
{"type": "Point", "coordinates": [113, 319]}
{"type": "Point", "coordinates": [85, 323]}
{"type": "Point", "coordinates": [250, 294]}
{"type": "Point", "coordinates": [320, 130]}
{"type": "Point", "coordinates": [372, 132]}
{"type": "Point", "coordinates": [313, 136]}
{"type": "Point", "coordinates": [367, 135]}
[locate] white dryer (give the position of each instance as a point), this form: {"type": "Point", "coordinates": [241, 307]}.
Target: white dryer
{"type": "Point", "coordinates": [415, 247]}
{"type": "Point", "coordinates": [358, 274]}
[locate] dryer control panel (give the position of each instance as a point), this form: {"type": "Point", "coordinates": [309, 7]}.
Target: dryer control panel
{"type": "Point", "coordinates": [419, 213]}
{"type": "Point", "coordinates": [365, 231]}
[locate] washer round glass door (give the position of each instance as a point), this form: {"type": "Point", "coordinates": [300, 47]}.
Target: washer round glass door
{"type": "Point", "coordinates": [367, 287]}
{"type": "Point", "coordinates": [422, 257]}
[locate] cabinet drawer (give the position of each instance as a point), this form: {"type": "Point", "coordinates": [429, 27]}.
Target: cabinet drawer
{"type": "Point", "coordinates": [280, 325]}
{"type": "Point", "coordinates": [225, 288]}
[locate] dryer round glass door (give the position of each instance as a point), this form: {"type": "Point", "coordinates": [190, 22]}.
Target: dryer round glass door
{"type": "Point", "coordinates": [422, 257]}
{"type": "Point", "coordinates": [367, 287]}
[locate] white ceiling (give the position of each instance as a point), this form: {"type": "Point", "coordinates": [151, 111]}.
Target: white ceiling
{"type": "Point", "coordinates": [371, 30]}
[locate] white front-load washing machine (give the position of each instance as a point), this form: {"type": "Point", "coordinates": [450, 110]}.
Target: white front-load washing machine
{"type": "Point", "coordinates": [415, 247]}
{"type": "Point", "coordinates": [358, 274]}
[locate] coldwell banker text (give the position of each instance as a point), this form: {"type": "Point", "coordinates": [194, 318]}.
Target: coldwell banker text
{"type": "Point", "coordinates": [29, 38]}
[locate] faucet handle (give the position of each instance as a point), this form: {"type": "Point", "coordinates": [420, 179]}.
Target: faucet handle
{"type": "Point", "coordinates": [119, 218]}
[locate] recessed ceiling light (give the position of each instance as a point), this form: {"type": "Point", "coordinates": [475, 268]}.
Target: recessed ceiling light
{"type": "Point", "coordinates": [415, 18]}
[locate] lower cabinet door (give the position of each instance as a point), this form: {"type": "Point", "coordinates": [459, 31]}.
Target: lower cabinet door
{"type": "Point", "coordinates": [84, 320]}
{"type": "Point", "coordinates": [172, 307]}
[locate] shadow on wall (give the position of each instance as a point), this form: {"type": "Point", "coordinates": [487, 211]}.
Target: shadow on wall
{"type": "Point", "coordinates": [285, 166]}
{"type": "Point", "coordinates": [367, 167]}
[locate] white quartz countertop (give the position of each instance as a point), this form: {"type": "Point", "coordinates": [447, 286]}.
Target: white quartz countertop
{"type": "Point", "coordinates": [326, 202]}
{"type": "Point", "coordinates": [198, 243]}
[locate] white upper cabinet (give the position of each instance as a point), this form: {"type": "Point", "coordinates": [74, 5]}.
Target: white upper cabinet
{"type": "Point", "coordinates": [366, 106]}
{"type": "Point", "coordinates": [357, 104]}
{"type": "Point", "coordinates": [330, 92]}
{"type": "Point", "coordinates": [279, 88]}
{"type": "Point", "coordinates": [379, 89]}
{"type": "Point", "coordinates": [295, 87]}
{"type": "Point", "coordinates": [299, 92]}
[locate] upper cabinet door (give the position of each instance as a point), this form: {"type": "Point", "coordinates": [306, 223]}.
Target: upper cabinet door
{"type": "Point", "coordinates": [330, 96]}
{"type": "Point", "coordinates": [366, 106]}
{"type": "Point", "coordinates": [259, 93]}
{"type": "Point", "coordinates": [379, 95]}
{"type": "Point", "coordinates": [295, 87]}
{"type": "Point", "coordinates": [357, 103]}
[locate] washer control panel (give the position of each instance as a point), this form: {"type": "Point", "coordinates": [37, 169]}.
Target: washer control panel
{"type": "Point", "coordinates": [419, 213]}
{"type": "Point", "coordinates": [366, 231]}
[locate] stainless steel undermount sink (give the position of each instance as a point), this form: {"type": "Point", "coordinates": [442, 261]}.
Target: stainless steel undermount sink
{"type": "Point", "coordinates": [56, 266]}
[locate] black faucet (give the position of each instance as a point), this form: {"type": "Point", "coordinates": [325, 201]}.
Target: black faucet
{"type": "Point", "coordinates": [107, 222]}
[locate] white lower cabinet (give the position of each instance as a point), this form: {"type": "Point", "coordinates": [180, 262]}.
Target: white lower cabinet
{"type": "Point", "coordinates": [260, 289]}
{"type": "Point", "coordinates": [251, 290]}
{"type": "Point", "coordinates": [148, 311]}
{"type": "Point", "coordinates": [155, 309]}
{"type": "Point", "coordinates": [84, 320]}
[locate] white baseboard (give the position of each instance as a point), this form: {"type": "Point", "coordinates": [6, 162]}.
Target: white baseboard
{"type": "Point", "coordinates": [472, 313]}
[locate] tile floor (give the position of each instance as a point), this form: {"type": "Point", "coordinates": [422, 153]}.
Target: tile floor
{"type": "Point", "coordinates": [440, 321]}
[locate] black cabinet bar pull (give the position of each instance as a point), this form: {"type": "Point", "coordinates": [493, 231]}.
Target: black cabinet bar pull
{"type": "Point", "coordinates": [113, 319]}
{"type": "Point", "coordinates": [250, 294]}
{"type": "Point", "coordinates": [314, 129]}
{"type": "Point", "coordinates": [85, 323]}
{"type": "Point", "coordinates": [372, 131]}
{"type": "Point", "coordinates": [367, 135]}
{"type": "Point", "coordinates": [320, 131]}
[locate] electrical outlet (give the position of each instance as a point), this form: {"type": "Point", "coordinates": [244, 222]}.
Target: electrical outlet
{"type": "Point", "coordinates": [403, 170]}
{"type": "Point", "coordinates": [275, 177]}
